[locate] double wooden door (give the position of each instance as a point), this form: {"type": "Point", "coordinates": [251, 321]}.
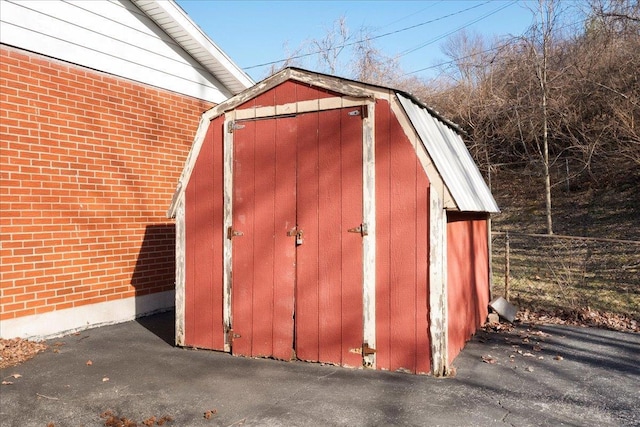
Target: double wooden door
{"type": "Point", "coordinates": [296, 287]}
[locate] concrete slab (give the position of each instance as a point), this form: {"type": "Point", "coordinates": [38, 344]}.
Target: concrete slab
{"type": "Point", "coordinates": [544, 376]}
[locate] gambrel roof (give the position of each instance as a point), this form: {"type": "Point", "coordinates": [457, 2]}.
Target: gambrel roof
{"type": "Point", "coordinates": [447, 154]}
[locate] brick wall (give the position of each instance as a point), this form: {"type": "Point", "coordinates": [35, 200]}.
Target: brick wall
{"type": "Point", "coordinates": [88, 165]}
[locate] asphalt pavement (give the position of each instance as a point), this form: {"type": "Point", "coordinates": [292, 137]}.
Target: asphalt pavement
{"type": "Point", "coordinates": [131, 372]}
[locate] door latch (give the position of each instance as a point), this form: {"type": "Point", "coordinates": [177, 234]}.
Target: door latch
{"type": "Point", "coordinates": [298, 234]}
{"type": "Point", "coordinates": [232, 336]}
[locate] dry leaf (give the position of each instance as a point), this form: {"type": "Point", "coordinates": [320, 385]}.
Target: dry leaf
{"type": "Point", "coordinates": [17, 350]}
{"type": "Point", "coordinates": [149, 421]}
{"type": "Point", "coordinates": [105, 379]}
{"type": "Point", "coordinates": [7, 382]}
{"type": "Point", "coordinates": [106, 414]}
{"type": "Point", "coordinates": [558, 357]}
{"type": "Point", "coordinates": [529, 369]}
{"type": "Point", "coordinates": [527, 354]}
{"type": "Point", "coordinates": [89, 363]}
{"type": "Point", "coordinates": [165, 418]}
{"type": "Point", "coordinates": [537, 348]}
{"type": "Point", "coordinates": [489, 359]}
{"type": "Point", "coordinates": [51, 425]}
{"type": "Point", "coordinates": [16, 375]}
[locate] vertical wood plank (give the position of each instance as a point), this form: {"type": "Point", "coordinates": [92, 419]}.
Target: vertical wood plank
{"type": "Point", "coordinates": [200, 236]}
{"type": "Point", "coordinates": [482, 249]}
{"type": "Point", "coordinates": [383, 210]}
{"type": "Point", "coordinates": [423, 351]}
{"type": "Point", "coordinates": [437, 281]}
{"type": "Point", "coordinates": [244, 208]}
{"type": "Point", "coordinates": [217, 235]}
{"type": "Point", "coordinates": [284, 245]}
{"type": "Point", "coordinates": [307, 316]}
{"type": "Point", "coordinates": [263, 236]}
{"type": "Point", "coordinates": [351, 245]}
{"type": "Point", "coordinates": [227, 247]}
{"type": "Point", "coordinates": [369, 241]}
{"type": "Point", "coordinates": [180, 273]}
{"type": "Point", "coordinates": [402, 251]}
{"type": "Point", "coordinates": [285, 93]}
{"type": "Point", "coordinates": [190, 265]}
{"type": "Point", "coordinates": [329, 235]}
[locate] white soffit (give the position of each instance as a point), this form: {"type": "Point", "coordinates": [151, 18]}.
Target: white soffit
{"type": "Point", "coordinates": [169, 16]}
{"type": "Point", "coordinates": [452, 159]}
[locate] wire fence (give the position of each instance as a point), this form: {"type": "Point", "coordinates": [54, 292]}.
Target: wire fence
{"type": "Point", "coordinates": [560, 273]}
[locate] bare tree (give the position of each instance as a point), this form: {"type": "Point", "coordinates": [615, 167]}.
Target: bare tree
{"type": "Point", "coordinates": [540, 40]}
{"type": "Point", "coordinates": [329, 48]}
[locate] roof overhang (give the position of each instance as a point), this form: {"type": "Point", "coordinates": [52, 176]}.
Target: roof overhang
{"type": "Point", "coordinates": [170, 17]}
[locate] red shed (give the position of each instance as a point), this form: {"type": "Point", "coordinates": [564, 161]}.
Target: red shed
{"type": "Point", "coordinates": [333, 221]}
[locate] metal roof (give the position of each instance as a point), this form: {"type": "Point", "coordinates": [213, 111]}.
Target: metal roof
{"type": "Point", "coordinates": [169, 16]}
{"type": "Point", "coordinates": [451, 158]}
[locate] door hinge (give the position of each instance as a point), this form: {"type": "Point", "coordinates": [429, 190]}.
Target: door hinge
{"type": "Point", "coordinates": [231, 126]}
{"type": "Point", "coordinates": [362, 229]}
{"type": "Point", "coordinates": [231, 233]}
{"type": "Point", "coordinates": [362, 111]}
{"type": "Point", "coordinates": [366, 350]}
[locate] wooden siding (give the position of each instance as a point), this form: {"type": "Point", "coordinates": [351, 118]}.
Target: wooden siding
{"type": "Point", "coordinates": [402, 250]}
{"type": "Point", "coordinates": [329, 283]}
{"type": "Point", "coordinates": [303, 173]}
{"type": "Point", "coordinates": [263, 255]}
{"type": "Point", "coordinates": [203, 245]}
{"type": "Point", "coordinates": [111, 36]}
{"type": "Point", "coordinates": [467, 277]}
{"type": "Point", "coordinates": [287, 92]}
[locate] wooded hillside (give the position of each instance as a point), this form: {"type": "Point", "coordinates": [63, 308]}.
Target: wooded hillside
{"type": "Point", "coordinates": [552, 116]}
{"type": "Point", "coordinates": [566, 106]}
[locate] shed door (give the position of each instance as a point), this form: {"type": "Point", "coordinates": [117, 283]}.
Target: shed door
{"type": "Point", "coordinates": [297, 269]}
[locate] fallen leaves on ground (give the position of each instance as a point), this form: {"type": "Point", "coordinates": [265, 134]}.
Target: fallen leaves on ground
{"type": "Point", "coordinates": [209, 414]}
{"type": "Point", "coordinates": [580, 317]}
{"type": "Point", "coordinates": [114, 420]}
{"type": "Point", "coordinates": [17, 350]}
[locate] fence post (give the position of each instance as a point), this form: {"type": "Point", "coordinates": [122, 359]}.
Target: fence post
{"type": "Point", "coordinates": [506, 267]}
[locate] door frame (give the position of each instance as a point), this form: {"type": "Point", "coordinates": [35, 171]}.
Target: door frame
{"type": "Point", "coordinates": [368, 202]}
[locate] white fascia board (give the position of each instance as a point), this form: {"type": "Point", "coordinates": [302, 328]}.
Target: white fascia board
{"type": "Point", "coordinates": [169, 16]}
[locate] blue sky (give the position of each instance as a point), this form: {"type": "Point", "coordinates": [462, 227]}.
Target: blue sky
{"type": "Point", "coordinates": [258, 32]}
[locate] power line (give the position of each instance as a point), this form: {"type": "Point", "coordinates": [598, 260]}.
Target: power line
{"type": "Point", "coordinates": [506, 43]}
{"type": "Point", "coordinates": [406, 52]}
{"type": "Point", "coordinates": [432, 5]}
{"type": "Point", "coordinates": [304, 55]}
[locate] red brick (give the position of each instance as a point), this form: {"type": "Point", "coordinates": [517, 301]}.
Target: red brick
{"type": "Point", "coordinates": [93, 159]}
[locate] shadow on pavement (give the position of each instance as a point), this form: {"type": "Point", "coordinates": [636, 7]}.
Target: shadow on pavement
{"type": "Point", "coordinates": [162, 325]}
